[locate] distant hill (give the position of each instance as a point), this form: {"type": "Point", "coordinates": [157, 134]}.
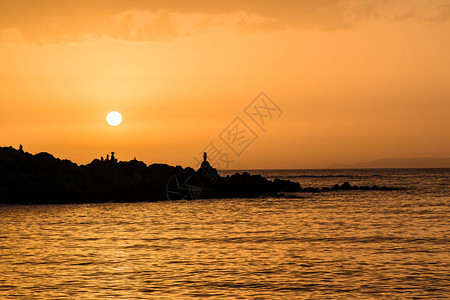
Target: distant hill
{"type": "Point", "coordinates": [423, 162]}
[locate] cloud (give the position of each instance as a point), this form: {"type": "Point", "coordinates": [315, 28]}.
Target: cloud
{"type": "Point", "coordinates": [161, 21]}
{"type": "Point", "coordinates": [11, 35]}
{"type": "Point", "coordinates": [443, 14]}
{"type": "Point", "coordinates": [142, 26]}
{"type": "Point", "coordinates": [133, 25]}
{"type": "Point", "coordinates": [402, 10]}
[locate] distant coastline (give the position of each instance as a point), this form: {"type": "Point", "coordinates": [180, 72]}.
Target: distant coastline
{"type": "Point", "coordinates": [399, 163]}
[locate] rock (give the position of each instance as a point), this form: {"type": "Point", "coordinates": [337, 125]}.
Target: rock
{"type": "Point", "coordinates": [42, 178]}
{"type": "Point", "coordinates": [346, 186]}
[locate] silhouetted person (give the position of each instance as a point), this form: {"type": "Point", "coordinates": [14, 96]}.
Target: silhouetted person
{"type": "Point", "coordinates": [102, 159]}
{"type": "Point", "coordinates": [207, 171]}
{"type": "Point", "coordinates": [21, 148]}
{"type": "Point", "coordinates": [107, 157]}
{"type": "Point", "coordinates": [113, 159]}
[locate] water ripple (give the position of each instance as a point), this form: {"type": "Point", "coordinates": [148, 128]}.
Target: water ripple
{"type": "Point", "coordinates": [334, 247]}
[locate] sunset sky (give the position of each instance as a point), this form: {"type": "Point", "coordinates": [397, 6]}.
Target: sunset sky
{"type": "Point", "coordinates": [347, 81]}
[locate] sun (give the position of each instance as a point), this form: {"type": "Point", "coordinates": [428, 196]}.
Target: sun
{"type": "Point", "coordinates": [114, 118]}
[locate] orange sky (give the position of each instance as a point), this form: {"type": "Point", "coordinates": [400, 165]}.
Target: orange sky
{"type": "Point", "coordinates": [355, 80]}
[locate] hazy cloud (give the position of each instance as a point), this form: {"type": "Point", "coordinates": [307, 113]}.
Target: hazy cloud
{"type": "Point", "coordinates": [67, 21]}
{"type": "Point", "coordinates": [400, 10]}
{"type": "Point", "coordinates": [142, 26]}
{"type": "Point", "coordinates": [443, 13]}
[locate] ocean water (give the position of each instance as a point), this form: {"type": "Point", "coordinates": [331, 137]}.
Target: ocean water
{"type": "Point", "coordinates": [330, 245]}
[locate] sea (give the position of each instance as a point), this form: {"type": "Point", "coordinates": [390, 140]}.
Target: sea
{"type": "Point", "coordinates": [354, 244]}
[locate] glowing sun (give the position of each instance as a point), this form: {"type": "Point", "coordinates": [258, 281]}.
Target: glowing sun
{"type": "Point", "coordinates": [114, 118]}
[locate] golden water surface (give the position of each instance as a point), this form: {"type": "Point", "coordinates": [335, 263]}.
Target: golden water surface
{"type": "Point", "coordinates": [366, 245]}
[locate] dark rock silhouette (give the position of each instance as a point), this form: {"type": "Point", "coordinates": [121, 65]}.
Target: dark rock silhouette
{"type": "Point", "coordinates": [246, 185]}
{"type": "Point", "coordinates": [348, 187]}
{"type": "Point", "coordinates": [41, 178]}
